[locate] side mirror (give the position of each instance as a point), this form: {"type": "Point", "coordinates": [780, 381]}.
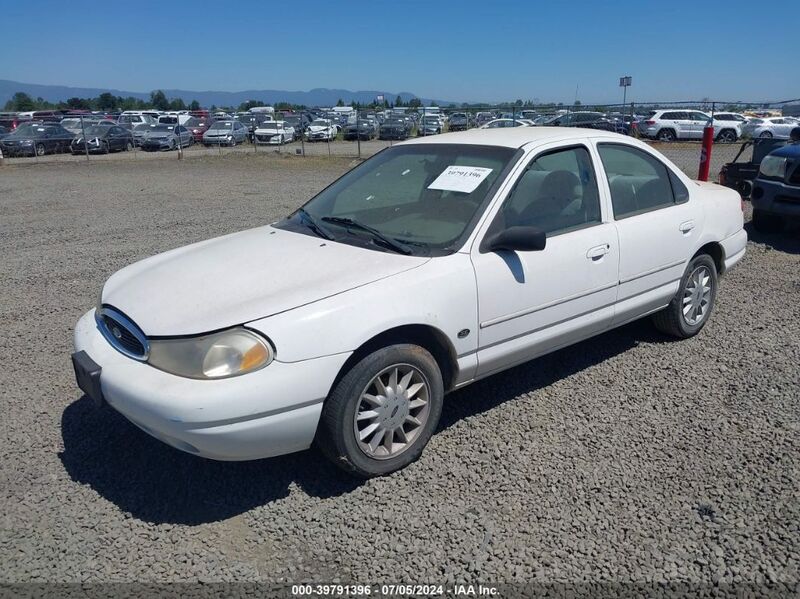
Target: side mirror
{"type": "Point", "coordinates": [516, 239]}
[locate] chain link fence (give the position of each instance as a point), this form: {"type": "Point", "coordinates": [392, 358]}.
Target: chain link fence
{"type": "Point", "coordinates": [673, 128]}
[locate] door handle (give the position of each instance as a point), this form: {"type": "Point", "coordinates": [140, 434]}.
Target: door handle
{"type": "Point", "coordinates": [686, 227]}
{"type": "Point", "coordinates": [598, 251]}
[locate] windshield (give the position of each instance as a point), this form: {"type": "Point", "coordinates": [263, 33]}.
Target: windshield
{"type": "Point", "coordinates": [29, 129]}
{"type": "Point", "coordinates": [192, 122]}
{"type": "Point", "coordinates": [319, 123]}
{"type": "Point", "coordinates": [221, 126]}
{"type": "Point", "coordinates": [426, 196]}
{"type": "Point", "coordinates": [96, 131]}
{"type": "Point", "coordinates": [162, 129]}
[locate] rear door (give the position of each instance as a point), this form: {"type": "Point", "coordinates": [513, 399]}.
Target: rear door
{"type": "Point", "coordinates": [657, 224]}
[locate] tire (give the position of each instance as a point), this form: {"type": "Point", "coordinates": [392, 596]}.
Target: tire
{"type": "Point", "coordinates": [666, 135]}
{"type": "Point", "coordinates": [128, 146]}
{"type": "Point", "coordinates": [233, 142]}
{"type": "Point", "coordinates": [339, 432]}
{"type": "Point", "coordinates": [106, 148]}
{"type": "Point", "coordinates": [765, 222]}
{"type": "Point", "coordinates": [40, 150]}
{"type": "Point", "coordinates": [673, 320]}
{"type": "Point", "coordinates": [765, 134]}
{"type": "Point", "coordinates": [280, 140]}
{"type": "Point", "coordinates": [727, 136]}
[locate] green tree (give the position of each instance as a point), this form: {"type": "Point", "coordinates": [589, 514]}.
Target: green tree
{"type": "Point", "coordinates": [177, 104]}
{"type": "Point", "coordinates": [414, 103]}
{"type": "Point", "coordinates": [159, 100]}
{"type": "Point", "coordinates": [20, 102]}
{"type": "Point", "coordinates": [79, 104]}
{"type": "Point", "coordinates": [340, 102]}
{"type": "Point", "coordinates": [107, 101]}
{"type": "Point", "coordinates": [194, 105]}
{"type": "Point", "coordinates": [398, 101]}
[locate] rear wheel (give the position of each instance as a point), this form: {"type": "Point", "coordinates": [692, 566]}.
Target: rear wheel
{"type": "Point", "coordinates": [666, 135]}
{"type": "Point", "coordinates": [766, 134]}
{"type": "Point", "coordinates": [766, 222]}
{"type": "Point", "coordinates": [382, 413]}
{"type": "Point", "coordinates": [691, 307]}
{"type": "Point", "coordinates": [128, 146]}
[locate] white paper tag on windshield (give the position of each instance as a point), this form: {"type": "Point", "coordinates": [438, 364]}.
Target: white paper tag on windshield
{"type": "Point", "coordinates": [460, 178]}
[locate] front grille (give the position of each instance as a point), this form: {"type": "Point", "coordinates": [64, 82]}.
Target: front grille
{"type": "Point", "coordinates": [122, 333]}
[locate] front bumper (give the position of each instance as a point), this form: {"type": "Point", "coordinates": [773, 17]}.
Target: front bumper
{"type": "Point", "coordinates": [268, 139]}
{"type": "Point", "coordinates": [149, 144]}
{"type": "Point", "coordinates": [775, 197]}
{"type": "Point", "coordinates": [217, 141]}
{"type": "Point", "coordinates": [269, 412]}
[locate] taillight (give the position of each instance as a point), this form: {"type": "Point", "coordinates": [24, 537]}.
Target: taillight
{"type": "Point", "coordinates": [649, 122]}
{"type": "Point", "coordinates": [722, 177]}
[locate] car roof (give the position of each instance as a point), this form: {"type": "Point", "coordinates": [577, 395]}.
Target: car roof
{"type": "Point", "coordinates": [516, 137]}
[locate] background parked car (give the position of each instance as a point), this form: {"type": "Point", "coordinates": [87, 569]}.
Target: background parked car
{"type": "Point", "coordinates": [274, 132]}
{"type": "Point", "coordinates": [671, 125]}
{"type": "Point", "coordinates": [139, 132]}
{"type": "Point", "coordinates": [228, 133]}
{"type": "Point", "coordinates": [135, 119]}
{"type": "Point", "coordinates": [503, 123]}
{"type": "Point", "coordinates": [393, 128]}
{"type": "Point", "coordinates": [363, 130]}
{"type": "Point", "coordinates": [459, 121]}
{"type": "Point", "coordinates": [429, 125]}
{"type": "Point", "coordinates": [167, 137]}
{"type": "Point", "coordinates": [102, 140]}
{"type": "Point", "coordinates": [779, 127]}
{"type": "Point", "coordinates": [197, 127]}
{"type": "Point", "coordinates": [36, 139]}
{"type": "Point", "coordinates": [321, 130]}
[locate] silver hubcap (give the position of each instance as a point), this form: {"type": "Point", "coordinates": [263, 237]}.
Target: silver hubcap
{"type": "Point", "coordinates": [392, 411]}
{"type": "Point", "coordinates": [697, 296]}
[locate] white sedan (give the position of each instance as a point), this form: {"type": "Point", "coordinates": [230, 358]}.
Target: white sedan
{"type": "Point", "coordinates": [321, 130]}
{"type": "Point", "coordinates": [778, 127]}
{"type": "Point", "coordinates": [273, 133]}
{"type": "Point", "coordinates": [505, 123]}
{"type": "Point", "coordinates": [435, 263]}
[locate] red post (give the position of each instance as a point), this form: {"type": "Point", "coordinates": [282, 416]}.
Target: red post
{"type": "Point", "coordinates": [705, 153]}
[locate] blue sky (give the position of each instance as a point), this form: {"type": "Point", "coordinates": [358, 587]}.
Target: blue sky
{"type": "Point", "coordinates": [463, 51]}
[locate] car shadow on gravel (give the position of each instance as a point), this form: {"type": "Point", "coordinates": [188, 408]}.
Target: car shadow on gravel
{"type": "Point", "coordinates": [787, 241]}
{"type": "Point", "coordinates": [156, 483]}
{"type": "Point", "coordinates": [490, 392]}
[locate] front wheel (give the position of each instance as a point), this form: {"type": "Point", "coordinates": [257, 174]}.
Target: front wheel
{"type": "Point", "coordinates": [128, 146]}
{"type": "Point", "coordinates": [40, 150]}
{"type": "Point", "coordinates": [382, 413]}
{"type": "Point", "coordinates": [691, 307]}
{"type": "Point", "coordinates": [765, 134]}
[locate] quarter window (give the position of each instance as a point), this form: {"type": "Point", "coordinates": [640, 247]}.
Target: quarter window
{"type": "Point", "coordinates": [556, 193]}
{"type": "Point", "coordinates": [638, 181]}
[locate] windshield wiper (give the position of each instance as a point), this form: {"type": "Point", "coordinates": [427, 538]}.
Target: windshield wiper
{"type": "Point", "coordinates": [312, 224]}
{"type": "Point", "coordinates": [387, 241]}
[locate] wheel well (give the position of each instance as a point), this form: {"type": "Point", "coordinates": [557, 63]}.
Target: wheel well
{"type": "Point", "coordinates": [428, 337]}
{"type": "Point", "coordinates": [717, 254]}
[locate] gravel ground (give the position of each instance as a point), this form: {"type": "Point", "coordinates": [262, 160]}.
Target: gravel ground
{"type": "Point", "coordinates": [628, 459]}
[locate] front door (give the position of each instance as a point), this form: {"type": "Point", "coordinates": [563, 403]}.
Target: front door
{"type": "Point", "coordinates": [530, 303]}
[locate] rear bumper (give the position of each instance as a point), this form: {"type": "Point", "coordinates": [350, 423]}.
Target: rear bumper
{"type": "Point", "coordinates": [734, 248]}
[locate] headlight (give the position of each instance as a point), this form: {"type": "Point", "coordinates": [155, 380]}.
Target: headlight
{"type": "Point", "coordinates": [773, 166]}
{"type": "Point", "coordinates": [214, 356]}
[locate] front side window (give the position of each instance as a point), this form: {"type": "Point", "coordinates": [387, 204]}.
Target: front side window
{"type": "Point", "coordinates": [638, 181]}
{"type": "Point", "coordinates": [556, 193]}
{"type": "Point", "coordinates": [425, 196]}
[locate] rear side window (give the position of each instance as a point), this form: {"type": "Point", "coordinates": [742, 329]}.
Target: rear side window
{"type": "Point", "coordinates": [638, 181]}
{"type": "Point", "coordinates": [556, 193]}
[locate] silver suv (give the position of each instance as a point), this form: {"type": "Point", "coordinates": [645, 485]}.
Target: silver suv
{"type": "Point", "coordinates": [670, 125]}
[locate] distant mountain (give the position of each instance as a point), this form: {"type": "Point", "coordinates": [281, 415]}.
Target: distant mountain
{"type": "Point", "coordinates": [314, 97]}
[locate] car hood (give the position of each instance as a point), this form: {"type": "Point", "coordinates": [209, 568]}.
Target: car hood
{"type": "Point", "coordinates": [318, 128]}
{"type": "Point", "coordinates": [242, 277]}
